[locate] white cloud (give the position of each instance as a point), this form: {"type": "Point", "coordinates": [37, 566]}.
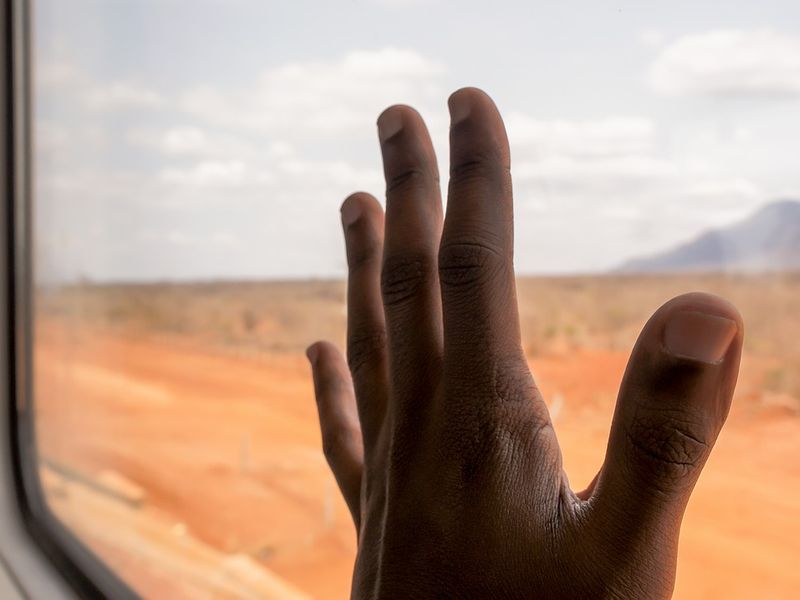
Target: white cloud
{"type": "Point", "coordinates": [61, 81]}
{"type": "Point", "coordinates": [734, 188]}
{"type": "Point", "coordinates": [337, 171]}
{"type": "Point", "coordinates": [208, 173]}
{"type": "Point", "coordinates": [197, 141]}
{"type": "Point", "coordinates": [322, 96]}
{"type": "Point", "coordinates": [176, 237]}
{"type": "Point", "coordinates": [300, 176]}
{"type": "Point", "coordinates": [50, 136]}
{"type": "Point", "coordinates": [586, 173]}
{"type": "Point", "coordinates": [400, 3]}
{"type": "Point", "coordinates": [651, 37]}
{"type": "Point", "coordinates": [122, 95]}
{"type": "Point", "coordinates": [280, 149]}
{"type": "Point", "coordinates": [729, 63]}
{"type": "Point", "coordinates": [608, 153]}
{"type": "Point", "coordinates": [224, 238]}
{"type": "Point", "coordinates": [50, 75]}
{"type": "Point", "coordinates": [187, 140]}
{"type": "Point", "coordinates": [611, 136]}
{"type": "Point", "coordinates": [180, 238]}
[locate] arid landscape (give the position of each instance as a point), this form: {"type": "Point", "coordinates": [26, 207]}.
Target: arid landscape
{"type": "Point", "coordinates": [178, 437]}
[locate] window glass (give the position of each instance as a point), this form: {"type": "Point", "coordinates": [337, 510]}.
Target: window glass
{"type": "Point", "coordinates": [189, 165]}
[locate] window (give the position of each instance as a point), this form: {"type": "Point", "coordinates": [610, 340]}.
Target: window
{"type": "Point", "coordinates": [190, 158]}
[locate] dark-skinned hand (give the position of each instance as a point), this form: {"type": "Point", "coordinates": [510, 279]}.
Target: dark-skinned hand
{"type": "Point", "coordinates": [435, 430]}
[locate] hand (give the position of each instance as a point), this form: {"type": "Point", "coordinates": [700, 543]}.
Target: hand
{"type": "Point", "coordinates": [436, 432]}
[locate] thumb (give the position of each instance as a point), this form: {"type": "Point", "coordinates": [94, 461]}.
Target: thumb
{"type": "Point", "coordinates": [674, 399]}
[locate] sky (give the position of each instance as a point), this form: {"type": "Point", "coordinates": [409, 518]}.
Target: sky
{"type": "Point", "coordinates": [216, 139]}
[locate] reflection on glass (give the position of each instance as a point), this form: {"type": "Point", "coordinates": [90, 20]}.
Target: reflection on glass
{"type": "Point", "coordinates": [190, 161]}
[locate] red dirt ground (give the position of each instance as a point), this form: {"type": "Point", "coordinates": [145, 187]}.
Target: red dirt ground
{"type": "Point", "coordinates": [198, 474]}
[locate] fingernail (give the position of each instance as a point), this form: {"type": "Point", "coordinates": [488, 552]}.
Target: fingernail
{"type": "Point", "coordinates": [389, 124]}
{"type": "Point", "coordinates": [351, 212]}
{"type": "Point", "coordinates": [312, 353]}
{"type": "Point", "coordinates": [459, 106]}
{"type": "Point", "coordinates": [699, 336]}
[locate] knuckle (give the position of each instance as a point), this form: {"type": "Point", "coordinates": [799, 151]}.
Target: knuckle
{"type": "Point", "coordinates": [337, 441]}
{"type": "Point", "coordinates": [411, 177]}
{"type": "Point", "coordinates": [667, 446]}
{"type": "Point", "coordinates": [467, 263]}
{"type": "Point", "coordinates": [332, 386]}
{"type": "Point", "coordinates": [363, 243]}
{"type": "Point", "coordinates": [402, 277]}
{"type": "Point", "coordinates": [373, 485]}
{"type": "Point", "coordinates": [363, 346]}
{"type": "Point", "coordinates": [362, 255]}
{"type": "Point", "coordinates": [523, 411]}
{"type": "Point", "coordinates": [513, 382]}
{"type": "Point", "coordinates": [486, 165]}
{"type": "Point", "coordinates": [486, 455]}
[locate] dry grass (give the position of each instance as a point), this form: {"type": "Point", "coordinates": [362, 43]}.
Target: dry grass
{"type": "Point", "coordinates": [558, 314]}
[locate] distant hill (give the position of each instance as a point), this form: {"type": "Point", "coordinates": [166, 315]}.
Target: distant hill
{"type": "Point", "coordinates": [769, 240]}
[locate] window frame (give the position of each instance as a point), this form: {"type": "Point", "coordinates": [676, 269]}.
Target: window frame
{"type": "Point", "coordinates": [82, 569]}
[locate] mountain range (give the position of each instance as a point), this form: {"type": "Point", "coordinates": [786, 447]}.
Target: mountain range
{"type": "Point", "coordinates": [768, 240]}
